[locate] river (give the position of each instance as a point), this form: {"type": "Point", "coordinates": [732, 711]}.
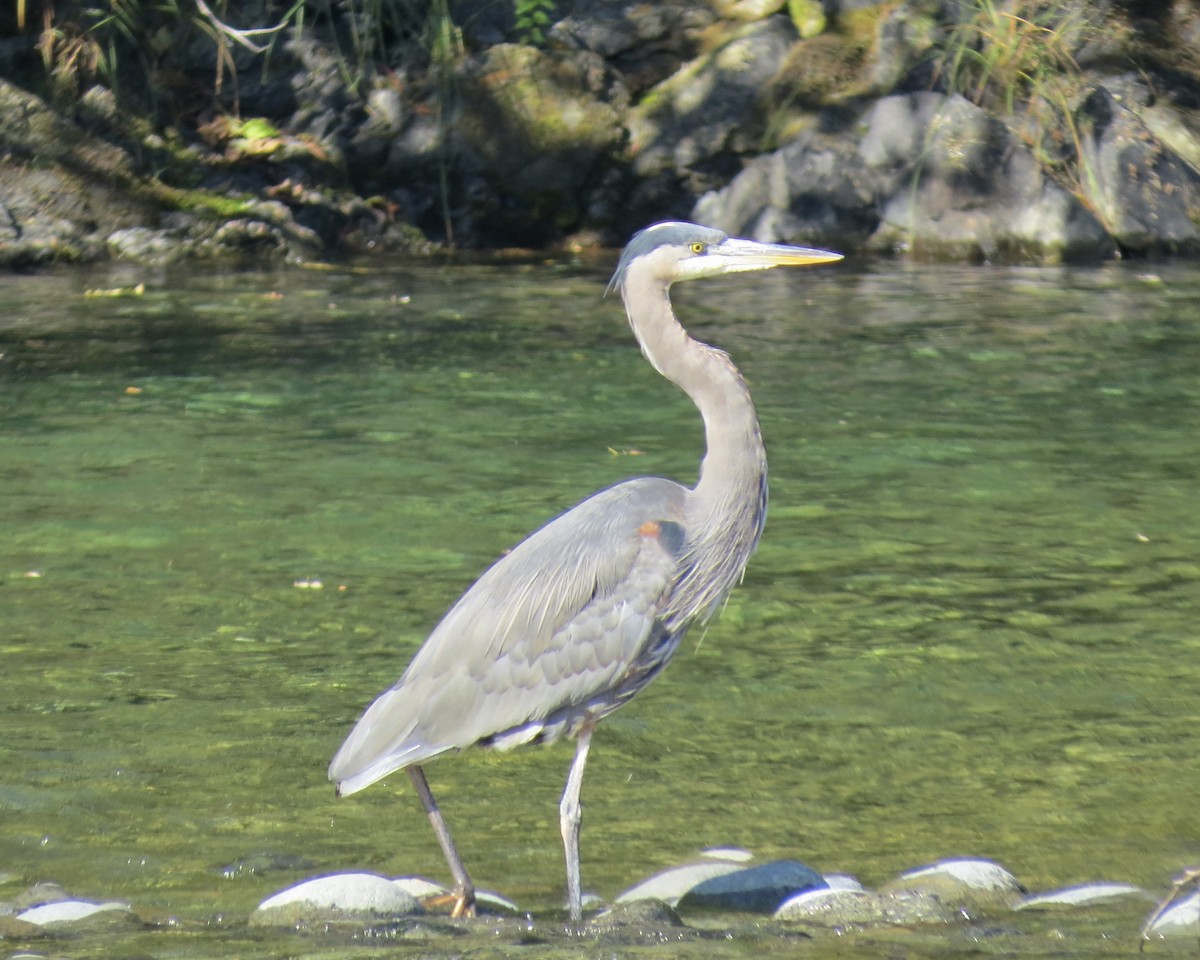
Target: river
{"type": "Point", "coordinates": [233, 505]}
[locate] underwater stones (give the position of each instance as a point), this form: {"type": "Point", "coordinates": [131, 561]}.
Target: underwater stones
{"type": "Point", "coordinates": [970, 884]}
{"type": "Point", "coordinates": [839, 907]}
{"type": "Point", "coordinates": [638, 913]}
{"type": "Point", "coordinates": [670, 885]}
{"type": "Point", "coordinates": [68, 912]}
{"type": "Point", "coordinates": [1081, 895]}
{"type": "Point", "coordinates": [359, 897]}
{"type": "Point", "coordinates": [1179, 919]}
{"type": "Point", "coordinates": [759, 889]}
{"type": "Point", "coordinates": [341, 896]}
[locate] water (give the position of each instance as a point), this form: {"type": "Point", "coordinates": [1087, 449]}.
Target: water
{"type": "Point", "coordinates": [970, 628]}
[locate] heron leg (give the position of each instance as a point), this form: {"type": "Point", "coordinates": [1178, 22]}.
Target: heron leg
{"type": "Point", "coordinates": [464, 890]}
{"type": "Point", "coordinates": [570, 816]}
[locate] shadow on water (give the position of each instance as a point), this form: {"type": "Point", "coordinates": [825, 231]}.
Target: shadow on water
{"type": "Point", "coordinates": [970, 628]}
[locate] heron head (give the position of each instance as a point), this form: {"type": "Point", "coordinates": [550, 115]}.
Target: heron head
{"type": "Point", "coordinates": [676, 250]}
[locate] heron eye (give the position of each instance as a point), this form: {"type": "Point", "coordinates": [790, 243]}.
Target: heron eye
{"type": "Point", "coordinates": [698, 247]}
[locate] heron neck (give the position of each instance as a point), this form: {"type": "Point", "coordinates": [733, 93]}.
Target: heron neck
{"type": "Point", "coordinates": [734, 467]}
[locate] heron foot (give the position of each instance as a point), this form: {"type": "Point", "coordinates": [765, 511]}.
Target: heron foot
{"type": "Point", "coordinates": [464, 904]}
{"type": "Point", "coordinates": [456, 903]}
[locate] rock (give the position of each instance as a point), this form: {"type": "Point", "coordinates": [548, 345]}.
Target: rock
{"type": "Point", "coordinates": [670, 885]}
{"type": "Point", "coordinates": [1082, 895]}
{"type": "Point", "coordinates": [758, 889]}
{"type": "Point", "coordinates": [538, 135]}
{"type": "Point", "coordinates": [833, 908]}
{"type": "Point", "coordinates": [727, 854]}
{"type": "Point", "coordinates": [1180, 919]}
{"type": "Point", "coordinates": [955, 183]}
{"type": "Point", "coordinates": [817, 189]}
{"type": "Point", "coordinates": [698, 114]}
{"type": "Point", "coordinates": [343, 896]}
{"type": "Point", "coordinates": [974, 886]}
{"type": "Point", "coordinates": [644, 42]}
{"type": "Point", "coordinates": [68, 911]}
{"type": "Point", "coordinates": [638, 913]}
{"type": "Point", "coordinates": [842, 881]}
{"type": "Point", "coordinates": [862, 908]}
{"type": "Point", "coordinates": [145, 245]}
{"type": "Point", "coordinates": [1145, 194]}
{"type": "Point", "coordinates": [419, 888]}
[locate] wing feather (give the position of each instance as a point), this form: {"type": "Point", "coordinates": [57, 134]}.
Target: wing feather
{"type": "Point", "coordinates": [549, 629]}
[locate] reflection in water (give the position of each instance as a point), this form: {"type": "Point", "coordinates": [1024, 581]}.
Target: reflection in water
{"type": "Point", "coordinates": [970, 628]}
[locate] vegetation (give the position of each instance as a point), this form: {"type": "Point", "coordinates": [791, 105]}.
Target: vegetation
{"type": "Point", "coordinates": [1016, 57]}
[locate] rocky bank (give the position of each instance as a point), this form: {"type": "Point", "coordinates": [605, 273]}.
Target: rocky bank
{"type": "Point", "coordinates": [1031, 131]}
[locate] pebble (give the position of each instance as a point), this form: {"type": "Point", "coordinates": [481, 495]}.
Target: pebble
{"type": "Point", "coordinates": [340, 896]}
{"type": "Point", "coordinates": [758, 889]}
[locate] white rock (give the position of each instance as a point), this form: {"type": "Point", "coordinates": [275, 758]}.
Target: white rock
{"type": "Point", "coordinates": [366, 893]}
{"type": "Point", "coordinates": [1181, 919]}
{"type": "Point", "coordinates": [841, 881]}
{"type": "Point", "coordinates": [972, 873]}
{"type": "Point", "coordinates": [730, 854]}
{"type": "Point", "coordinates": [67, 911]}
{"type": "Point", "coordinates": [419, 888]}
{"type": "Point", "coordinates": [1083, 894]}
{"type": "Point", "coordinates": [670, 885]}
{"type": "Point", "coordinates": [495, 902]}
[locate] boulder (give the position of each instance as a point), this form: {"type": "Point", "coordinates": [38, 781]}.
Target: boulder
{"type": "Point", "coordinates": [338, 897]}
{"type": "Point", "coordinates": [758, 889]}
{"type": "Point", "coordinates": [1145, 193]}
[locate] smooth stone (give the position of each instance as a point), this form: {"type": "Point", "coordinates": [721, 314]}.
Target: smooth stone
{"type": "Point", "coordinates": [842, 881]}
{"type": "Point", "coordinates": [1081, 895]}
{"type": "Point", "coordinates": [1181, 919]}
{"type": "Point", "coordinates": [419, 888]}
{"type": "Point", "coordinates": [672, 884]}
{"type": "Point", "coordinates": [341, 896]}
{"type": "Point", "coordinates": [492, 902]}
{"type": "Point", "coordinates": [67, 911]}
{"type": "Point", "coordinates": [638, 913]}
{"type": "Point", "coordinates": [846, 908]}
{"type": "Point", "coordinates": [833, 907]}
{"type": "Point", "coordinates": [758, 889]}
{"type": "Point", "coordinates": [969, 883]}
{"type": "Point", "coordinates": [728, 854]}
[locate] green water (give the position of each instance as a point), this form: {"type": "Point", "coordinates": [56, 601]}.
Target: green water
{"type": "Point", "coordinates": [971, 627]}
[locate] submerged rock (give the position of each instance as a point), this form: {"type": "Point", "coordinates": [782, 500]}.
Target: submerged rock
{"type": "Point", "coordinates": [342, 896]}
{"type": "Point", "coordinates": [863, 908]}
{"type": "Point", "coordinates": [1179, 919]}
{"type": "Point", "coordinates": [638, 913]}
{"type": "Point", "coordinates": [1082, 895]}
{"type": "Point", "coordinates": [972, 885]}
{"type": "Point", "coordinates": [669, 885]}
{"type": "Point", "coordinates": [68, 911]}
{"type": "Point", "coordinates": [758, 889]}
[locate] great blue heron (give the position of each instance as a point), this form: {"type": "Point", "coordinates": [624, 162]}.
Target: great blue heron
{"type": "Point", "coordinates": [580, 616]}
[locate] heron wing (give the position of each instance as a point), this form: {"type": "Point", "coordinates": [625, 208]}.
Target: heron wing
{"type": "Point", "coordinates": [551, 629]}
